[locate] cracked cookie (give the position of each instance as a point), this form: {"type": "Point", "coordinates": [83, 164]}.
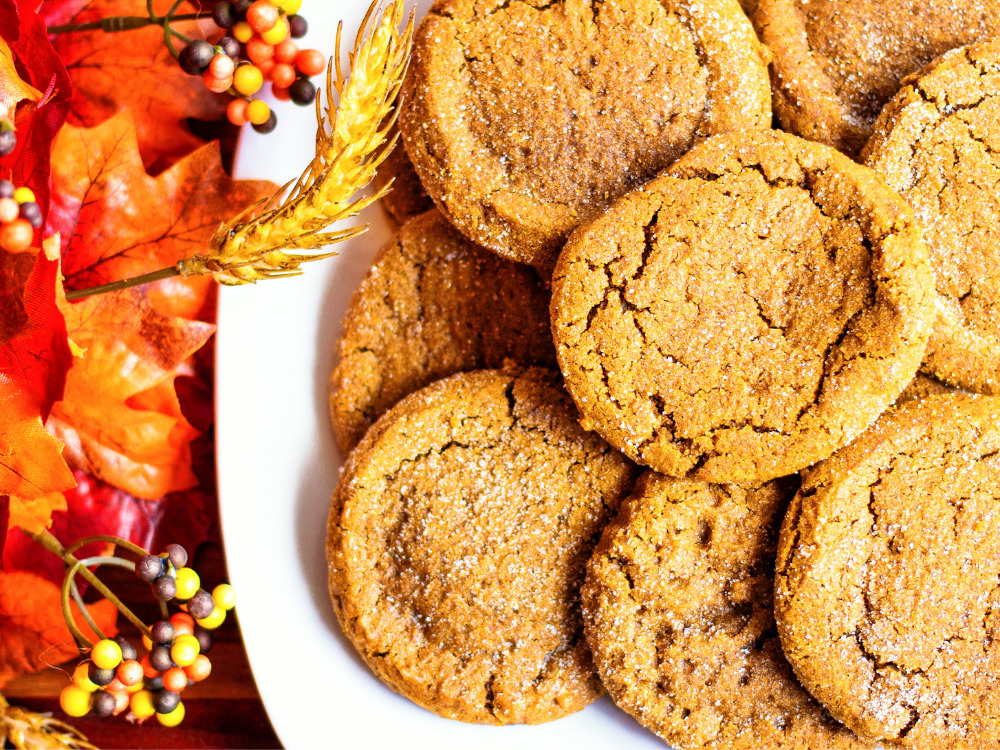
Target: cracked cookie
{"type": "Point", "coordinates": [457, 541]}
{"type": "Point", "coordinates": [744, 314]}
{"type": "Point", "coordinates": [837, 62]}
{"type": "Point", "coordinates": [524, 118]}
{"type": "Point", "coordinates": [887, 596]}
{"type": "Point", "coordinates": [677, 612]}
{"type": "Point", "coordinates": [433, 304]}
{"type": "Point", "coordinates": [407, 197]}
{"type": "Point", "coordinates": [937, 143]}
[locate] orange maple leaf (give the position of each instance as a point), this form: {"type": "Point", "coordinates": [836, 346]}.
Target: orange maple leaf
{"type": "Point", "coordinates": [134, 70]}
{"type": "Point", "coordinates": [35, 635]}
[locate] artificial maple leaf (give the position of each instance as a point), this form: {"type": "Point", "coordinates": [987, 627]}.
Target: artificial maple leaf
{"type": "Point", "coordinates": [117, 221]}
{"type": "Point", "coordinates": [35, 635]}
{"type": "Point", "coordinates": [134, 70]}
{"type": "Point", "coordinates": [120, 418]}
{"type": "Point", "coordinates": [37, 64]}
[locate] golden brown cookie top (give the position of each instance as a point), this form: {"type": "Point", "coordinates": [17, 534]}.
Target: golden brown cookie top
{"type": "Point", "coordinates": [524, 118]}
{"type": "Point", "coordinates": [677, 611]}
{"type": "Point", "coordinates": [937, 143]}
{"type": "Point", "coordinates": [457, 541]}
{"type": "Point", "coordinates": [744, 314]}
{"type": "Point", "coordinates": [887, 595]}
{"type": "Point", "coordinates": [837, 62]}
{"type": "Point", "coordinates": [433, 304]}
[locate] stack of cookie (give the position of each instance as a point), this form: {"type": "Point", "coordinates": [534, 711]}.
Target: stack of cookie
{"type": "Point", "coordinates": [624, 267]}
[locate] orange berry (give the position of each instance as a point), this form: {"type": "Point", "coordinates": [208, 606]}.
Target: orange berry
{"type": "Point", "coordinates": [257, 113]}
{"type": "Point", "coordinates": [283, 75]}
{"type": "Point", "coordinates": [310, 62]}
{"type": "Point", "coordinates": [183, 623]}
{"type": "Point", "coordinates": [147, 668]}
{"type": "Point", "coordinates": [199, 669]}
{"type": "Point", "coordinates": [175, 679]}
{"type": "Point", "coordinates": [222, 66]}
{"type": "Point", "coordinates": [237, 112]}
{"type": "Point", "coordinates": [130, 672]}
{"type": "Point", "coordinates": [262, 16]}
{"type": "Point", "coordinates": [248, 79]}
{"type": "Point", "coordinates": [17, 236]}
{"type": "Point", "coordinates": [9, 210]}
{"type": "Point", "coordinates": [218, 85]}
{"type": "Point", "coordinates": [266, 68]}
{"type": "Point", "coordinates": [242, 32]}
{"type": "Point", "coordinates": [258, 50]}
{"type": "Point", "coordinates": [115, 686]}
{"type": "Point", "coordinates": [286, 52]}
{"type": "Point", "coordinates": [277, 33]}
{"type": "Point", "coordinates": [280, 94]}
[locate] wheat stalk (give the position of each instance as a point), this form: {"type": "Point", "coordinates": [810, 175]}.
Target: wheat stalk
{"type": "Point", "coordinates": [27, 730]}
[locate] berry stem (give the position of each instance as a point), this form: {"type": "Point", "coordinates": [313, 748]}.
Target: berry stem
{"type": "Point", "coordinates": [114, 24]}
{"type": "Point", "coordinates": [114, 286]}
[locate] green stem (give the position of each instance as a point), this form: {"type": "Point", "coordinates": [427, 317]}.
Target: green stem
{"type": "Point", "coordinates": [114, 24]}
{"type": "Point", "coordinates": [114, 286]}
{"type": "Point", "coordinates": [53, 545]}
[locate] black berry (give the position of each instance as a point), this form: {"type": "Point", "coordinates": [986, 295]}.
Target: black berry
{"type": "Point", "coordinates": [224, 14]}
{"type": "Point", "coordinates": [8, 142]}
{"type": "Point", "coordinates": [100, 676]}
{"type": "Point", "coordinates": [165, 587]}
{"type": "Point", "coordinates": [32, 213]}
{"type": "Point", "coordinates": [241, 8]}
{"type": "Point", "coordinates": [6, 189]}
{"type": "Point", "coordinates": [297, 26]}
{"type": "Point", "coordinates": [177, 555]}
{"type": "Point", "coordinates": [103, 703]}
{"type": "Point", "coordinates": [166, 701]}
{"type": "Point", "coordinates": [205, 638]}
{"type": "Point", "coordinates": [196, 56]}
{"type": "Point", "coordinates": [159, 658]}
{"type": "Point", "coordinates": [302, 92]}
{"type": "Point", "coordinates": [230, 46]}
{"type": "Point", "coordinates": [162, 632]}
{"type": "Point", "coordinates": [150, 567]}
{"type": "Point", "coordinates": [201, 605]}
{"type": "Point", "coordinates": [268, 125]}
{"type": "Point", "coordinates": [128, 650]}
{"type": "Point", "coordinates": [154, 684]}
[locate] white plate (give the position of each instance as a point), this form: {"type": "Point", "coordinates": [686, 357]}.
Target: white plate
{"type": "Point", "coordinates": [278, 465]}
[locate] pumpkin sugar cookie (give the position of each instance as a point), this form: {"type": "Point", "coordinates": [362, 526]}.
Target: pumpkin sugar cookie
{"type": "Point", "coordinates": [432, 304]}
{"type": "Point", "coordinates": [837, 62]}
{"type": "Point", "coordinates": [678, 614]}
{"type": "Point", "coordinates": [457, 542]}
{"type": "Point", "coordinates": [744, 314]}
{"type": "Point", "coordinates": [525, 118]}
{"type": "Point", "coordinates": [887, 597]}
{"type": "Point", "coordinates": [937, 143]}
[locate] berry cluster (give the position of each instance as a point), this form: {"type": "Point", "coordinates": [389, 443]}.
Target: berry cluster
{"type": "Point", "coordinates": [258, 47]}
{"type": "Point", "coordinates": [114, 679]}
{"type": "Point", "coordinates": [19, 217]}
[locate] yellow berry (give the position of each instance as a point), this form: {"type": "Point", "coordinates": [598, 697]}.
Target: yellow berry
{"type": "Point", "coordinates": [134, 688]}
{"type": "Point", "coordinates": [214, 620]}
{"type": "Point", "coordinates": [277, 33]}
{"type": "Point", "coordinates": [24, 195]}
{"type": "Point", "coordinates": [291, 7]}
{"type": "Point", "coordinates": [258, 112]}
{"type": "Point", "coordinates": [106, 654]}
{"type": "Point", "coordinates": [75, 701]}
{"type": "Point", "coordinates": [185, 650]}
{"type": "Point", "coordinates": [242, 32]}
{"type": "Point", "coordinates": [81, 677]}
{"type": "Point", "coordinates": [188, 584]}
{"type": "Point", "coordinates": [174, 718]}
{"type": "Point", "coordinates": [141, 704]}
{"type": "Point", "coordinates": [247, 80]}
{"type": "Point", "coordinates": [225, 596]}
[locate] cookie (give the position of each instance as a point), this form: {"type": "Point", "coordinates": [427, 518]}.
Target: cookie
{"type": "Point", "coordinates": [433, 304]}
{"type": "Point", "coordinates": [887, 597]}
{"type": "Point", "coordinates": [677, 612]}
{"type": "Point", "coordinates": [746, 313]}
{"type": "Point", "coordinates": [922, 387]}
{"type": "Point", "coordinates": [457, 542]}
{"type": "Point", "coordinates": [837, 62]}
{"type": "Point", "coordinates": [524, 118]}
{"type": "Point", "coordinates": [937, 143]}
{"type": "Point", "coordinates": [407, 197]}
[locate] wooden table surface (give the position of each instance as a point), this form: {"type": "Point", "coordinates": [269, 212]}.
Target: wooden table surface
{"type": "Point", "coordinates": [224, 711]}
